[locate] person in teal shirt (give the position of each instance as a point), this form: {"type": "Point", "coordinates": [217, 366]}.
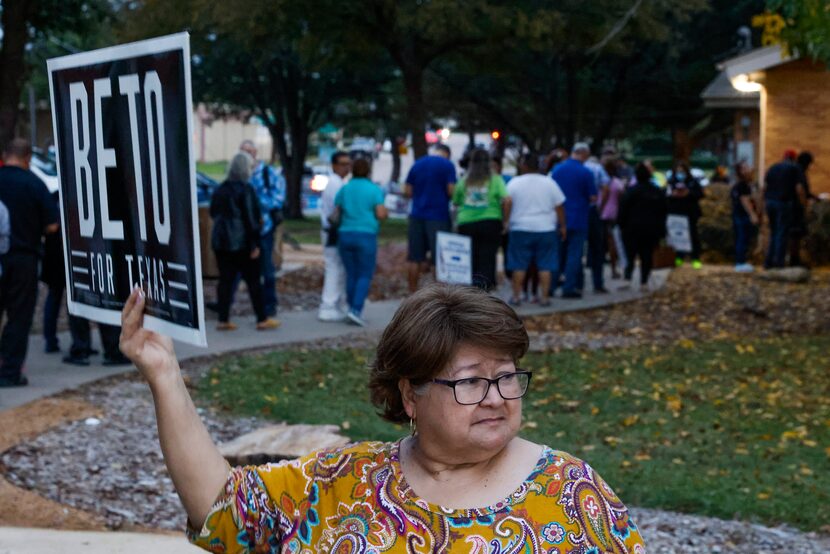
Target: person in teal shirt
{"type": "Point", "coordinates": [481, 198]}
{"type": "Point", "coordinates": [358, 211]}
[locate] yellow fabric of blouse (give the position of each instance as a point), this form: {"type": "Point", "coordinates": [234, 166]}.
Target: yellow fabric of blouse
{"type": "Point", "coordinates": [355, 499]}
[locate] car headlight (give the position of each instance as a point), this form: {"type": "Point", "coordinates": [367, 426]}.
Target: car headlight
{"type": "Point", "coordinates": [319, 183]}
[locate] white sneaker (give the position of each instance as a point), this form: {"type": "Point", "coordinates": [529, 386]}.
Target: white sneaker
{"type": "Point", "coordinates": [744, 268]}
{"type": "Point", "coordinates": [356, 319]}
{"type": "Point", "coordinates": [331, 315]}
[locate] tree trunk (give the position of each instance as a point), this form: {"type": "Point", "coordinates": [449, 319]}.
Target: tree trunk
{"type": "Point", "coordinates": [613, 104]}
{"type": "Point", "coordinates": [396, 160]}
{"type": "Point", "coordinates": [413, 78]}
{"type": "Point", "coordinates": [570, 117]}
{"type": "Point", "coordinates": [681, 145]}
{"type": "Point", "coordinates": [294, 172]}
{"type": "Point", "coordinates": [15, 14]}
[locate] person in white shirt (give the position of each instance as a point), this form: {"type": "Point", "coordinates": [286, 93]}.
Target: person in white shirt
{"type": "Point", "coordinates": [333, 297]}
{"type": "Point", "coordinates": [536, 214]}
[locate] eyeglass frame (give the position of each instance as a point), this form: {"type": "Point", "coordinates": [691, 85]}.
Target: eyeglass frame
{"type": "Point", "coordinates": [453, 382]}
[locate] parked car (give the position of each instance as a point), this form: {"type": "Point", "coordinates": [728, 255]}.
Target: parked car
{"type": "Point", "coordinates": [205, 186]}
{"type": "Point", "coordinates": [45, 168]}
{"type": "Point", "coordinates": [364, 147]}
{"type": "Point", "coordinates": [697, 173]}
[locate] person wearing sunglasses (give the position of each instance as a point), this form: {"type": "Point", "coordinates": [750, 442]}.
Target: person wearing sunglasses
{"type": "Point", "coordinates": [461, 481]}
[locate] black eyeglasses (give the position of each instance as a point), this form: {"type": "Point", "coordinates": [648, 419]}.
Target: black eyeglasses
{"type": "Point", "coordinates": [473, 390]}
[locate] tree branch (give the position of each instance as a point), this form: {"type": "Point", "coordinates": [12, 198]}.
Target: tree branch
{"type": "Point", "coordinates": [616, 29]}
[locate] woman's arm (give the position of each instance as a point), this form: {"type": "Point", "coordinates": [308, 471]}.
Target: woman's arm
{"type": "Point", "coordinates": [746, 202]}
{"type": "Point", "coordinates": [198, 470]}
{"type": "Point", "coordinates": [381, 212]}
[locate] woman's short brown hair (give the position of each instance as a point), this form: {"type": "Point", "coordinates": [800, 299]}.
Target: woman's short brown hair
{"type": "Point", "coordinates": [426, 332]}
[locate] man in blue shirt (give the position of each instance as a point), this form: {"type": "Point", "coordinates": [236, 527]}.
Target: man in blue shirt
{"type": "Point", "coordinates": [577, 182]}
{"type": "Point", "coordinates": [270, 190]}
{"type": "Point", "coordinates": [430, 185]}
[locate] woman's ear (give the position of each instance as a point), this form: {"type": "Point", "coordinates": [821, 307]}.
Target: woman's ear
{"type": "Point", "coordinates": [407, 396]}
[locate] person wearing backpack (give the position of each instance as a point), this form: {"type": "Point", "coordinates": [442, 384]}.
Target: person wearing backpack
{"type": "Point", "coordinates": [270, 191]}
{"type": "Point", "coordinates": [235, 241]}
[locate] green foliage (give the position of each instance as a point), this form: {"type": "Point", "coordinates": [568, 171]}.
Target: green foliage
{"type": "Point", "coordinates": [307, 231]}
{"type": "Point", "coordinates": [807, 27]}
{"type": "Point", "coordinates": [727, 429]}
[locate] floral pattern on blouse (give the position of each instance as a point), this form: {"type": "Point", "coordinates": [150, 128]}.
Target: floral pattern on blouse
{"type": "Point", "coordinates": [356, 500]}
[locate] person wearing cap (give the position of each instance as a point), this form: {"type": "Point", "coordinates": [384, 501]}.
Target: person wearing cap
{"type": "Point", "coordinates": [577, 183]}
{"type": "Point", "coordinates": [783, 187]}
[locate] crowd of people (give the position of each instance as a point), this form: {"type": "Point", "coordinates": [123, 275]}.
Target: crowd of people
{"type": "Point", "coordinates": [561, 215]}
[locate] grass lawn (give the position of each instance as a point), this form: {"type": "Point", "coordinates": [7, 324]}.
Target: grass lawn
{"type": "Point", "coordinates": [214, 170]}
{"type": "Point", "coordinates": [722, 428]}
{"type": "Point", "coordinates": [308, 230]}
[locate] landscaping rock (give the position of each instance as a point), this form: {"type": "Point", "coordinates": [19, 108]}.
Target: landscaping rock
{"type": "Point", "coordinates": [787, 275]}
{"type": "Point", "coordinates": [280, 442]}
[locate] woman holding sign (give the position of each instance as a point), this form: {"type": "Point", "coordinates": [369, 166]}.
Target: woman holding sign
{"type": "Point", "coordinates": [235, 241]}
{"type": "Point", "coordinates": [463, 481]}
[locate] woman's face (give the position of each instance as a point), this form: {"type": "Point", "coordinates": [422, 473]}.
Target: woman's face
{"type": "Point", "coordinates": [474, 431]}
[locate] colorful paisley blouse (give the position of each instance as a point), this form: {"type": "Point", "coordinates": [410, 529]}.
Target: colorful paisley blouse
{"type": "Point", "coordinates": [355, 499]}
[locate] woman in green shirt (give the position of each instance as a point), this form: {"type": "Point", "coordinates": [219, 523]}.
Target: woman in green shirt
{"type": "Point", "coordinates": [482, 201]}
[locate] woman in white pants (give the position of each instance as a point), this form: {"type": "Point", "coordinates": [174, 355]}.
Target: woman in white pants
{"type": "Point", "coordinates": [333, 297]}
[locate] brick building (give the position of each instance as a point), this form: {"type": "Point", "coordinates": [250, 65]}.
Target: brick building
{"type": "Point", "coordinates": [792, 96]}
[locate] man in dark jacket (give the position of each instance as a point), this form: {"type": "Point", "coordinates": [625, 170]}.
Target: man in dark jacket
{"type": "Point", "coordinates": [642, 219]}
{"type": "Point", "coordinates": [783, 188]}
{"type": "Point", "coordinates": [32, 214]}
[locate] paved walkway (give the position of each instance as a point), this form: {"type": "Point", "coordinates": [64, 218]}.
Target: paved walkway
{"type": "Point", "coordinates": [48, 375]}
{"type": "Point", "coordinates": [17, 540]}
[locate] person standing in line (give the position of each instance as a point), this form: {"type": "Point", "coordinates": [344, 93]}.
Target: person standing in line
{"type": "Point", "coordinates": [270, 191]}
{"type": "Point", "coordinates": [744, 216]}
{"type": "Point", "coordinates": [359, 208]}
{"type": "Point", "coordinates": [798, 230]}
{"type": "Point", "coordinates": [52, 275]}
{"type": "Point", "coordinates": [596, 230]}
{"type": "Point", "coordinates": [783, 188]}
{"type": "Point", "coordinates": [685, 194]}
{"type": "Point", "coordinates": [642, 218]}
{"type": "Point", "coordinates": [81, 348]}
{"type": "Point", "coordinates": [333, 304]}
{"type": "Point", "coordinates": [482, 200]}
{"type": "Point", "coordinates": [578, 185]}
{"type": "Point", "coordinates": [497, 166]}
{"type": "Point", "coordinates": [430, 185]}
{"type": "Point", "coordinates": [609, 205]}
{"type": "Point", "coordinates": [235, 241]}
{"type": "Point", "coordinates": [535, 218]}
{"type": "Point", "coordinates": [5, 233]}
{"type": "Point", "coordinates": [32, 214]}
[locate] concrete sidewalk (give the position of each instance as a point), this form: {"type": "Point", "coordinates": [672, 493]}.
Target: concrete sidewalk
{"type": "Point", "coordinates": [48, 375]}
{"type": "Point", "coordinates": [19, 540]}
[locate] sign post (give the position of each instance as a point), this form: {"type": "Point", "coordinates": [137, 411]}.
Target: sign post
{"type": "Point", "coordinates": [123, 140]}
{"type": "Point", "coordinates": [453, 259]}
{"type": "Point", "coordinates": [678, 235]}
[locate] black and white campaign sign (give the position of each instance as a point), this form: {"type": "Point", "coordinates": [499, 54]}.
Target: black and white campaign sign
{"type": "Point", "coordinates": [123, 138]}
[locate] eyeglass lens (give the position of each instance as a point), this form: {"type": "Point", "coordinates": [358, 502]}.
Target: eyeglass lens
{"type": "Point", "coordinates": [473, 391]}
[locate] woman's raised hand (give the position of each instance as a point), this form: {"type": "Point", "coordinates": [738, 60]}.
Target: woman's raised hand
{"type": "Point", "coordinates": [151, 352]}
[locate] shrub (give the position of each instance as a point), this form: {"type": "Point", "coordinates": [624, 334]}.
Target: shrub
{"type": "Point", "coordinates": [718, 240]}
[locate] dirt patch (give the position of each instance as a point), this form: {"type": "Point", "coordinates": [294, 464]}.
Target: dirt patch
{"type": "Point", "coordinates": [715, 303]}
{"type": "Point", "coordinates": [23, 508]}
